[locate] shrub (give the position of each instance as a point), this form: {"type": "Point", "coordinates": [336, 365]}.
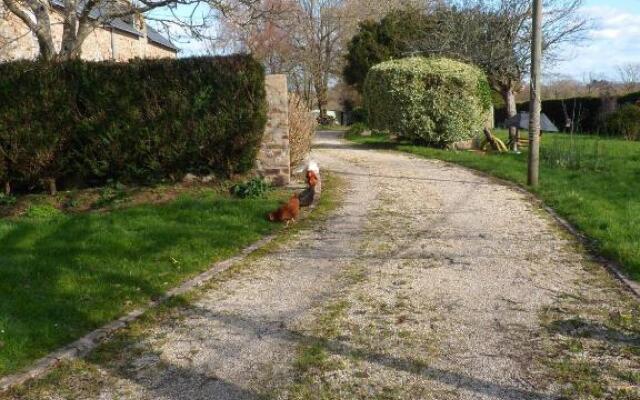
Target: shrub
{"type": "Point", "coordinates": [256, 187]}
{"type": "Point", "coordinates": [42, 211]}
{"type": "Point", "coordinates": [391, 38]}
{"type": "Point", "coordinates": [631, 98]}
{"type": "Point", "coordinates": [111, 195]}
{"type": "Point", "coordinates": [359, 116]}
{"type": "Point", "coordinates": [302, 127]}
{"type": "Point", "coordinates": [625, 122]}
{"type": "Point", "coordinates": [432, 100]}
{"type": "Point", "coordinates": [139, 122]}
{"type": "Point", "coordinates": [7, 200]}
{"type": "Point", "coordinates": [357, 129]}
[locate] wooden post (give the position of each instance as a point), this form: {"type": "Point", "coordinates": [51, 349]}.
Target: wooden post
{"type": "Point", "coordinates": [534, 112]}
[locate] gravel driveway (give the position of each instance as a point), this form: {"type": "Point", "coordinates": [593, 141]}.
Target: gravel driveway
{"type": "Point", "coordinates": [430, 281]}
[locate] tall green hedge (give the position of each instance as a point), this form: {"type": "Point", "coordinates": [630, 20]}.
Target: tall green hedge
{"type": "Point", "coordinates": [624, 122]}
{"type": "Point", "coordinates": [139, 122]}
{"type": "Point", "coordinates": [631, 98]}
{"type": "Point", "coordinates": [432, 100]}
{"type": "Point", "coordinates": [587, 110]}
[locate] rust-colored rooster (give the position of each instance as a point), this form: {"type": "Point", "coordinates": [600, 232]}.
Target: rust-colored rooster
{"type": "Point", "coordinates": [288, 212]}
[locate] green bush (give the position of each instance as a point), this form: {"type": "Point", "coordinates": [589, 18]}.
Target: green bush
{"type": "Point", "coordinates": [357, 129]}
{"type": "Point", "coordinates": [625, 122]}
{"type": "Point", "coordinates": [253, 188]}
{"type": "Point", "coordinates": [432, 100]}
{"type": "Point", "coordinates": [391, 38]}
{"type": "Point", "coordinates": [631, 98]}
{"type": "Point", "coordinates": [7, 200]}
{"type": "Point", "coordinates": [359, 116]}
{"type": "Point", "coordinates": [42, 211]}
{"type": "Point", "coordinates": [137, 122]}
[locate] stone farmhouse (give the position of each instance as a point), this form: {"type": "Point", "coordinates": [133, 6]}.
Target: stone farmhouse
{"type": "Point", "coordinates": [117, 40]}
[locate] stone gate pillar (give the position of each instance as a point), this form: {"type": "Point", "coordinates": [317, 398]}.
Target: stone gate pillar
{"type": "Point", "coordinates": [274, 157]}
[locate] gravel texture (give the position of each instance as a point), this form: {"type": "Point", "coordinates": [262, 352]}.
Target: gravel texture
{"type": "Point", "coordinates": [430, 281]}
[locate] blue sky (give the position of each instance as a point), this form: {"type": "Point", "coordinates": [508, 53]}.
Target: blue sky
{"type": "Point", "coordinates": [613, 41]}
{"type": "Point", "coordinates": [627, 5]}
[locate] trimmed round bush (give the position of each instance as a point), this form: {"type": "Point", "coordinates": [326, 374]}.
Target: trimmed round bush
{"type": "Point", "coordinates": [431, 100]}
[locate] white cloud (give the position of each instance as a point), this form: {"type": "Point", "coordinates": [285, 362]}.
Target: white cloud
{"type": "Point", "coordinates": [615, 40]}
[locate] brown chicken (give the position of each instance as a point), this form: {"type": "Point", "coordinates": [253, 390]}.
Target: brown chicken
{"type": "Point", "coordinates": [288, 212]}
{"type": "Point", "coordinates": [312, 179]}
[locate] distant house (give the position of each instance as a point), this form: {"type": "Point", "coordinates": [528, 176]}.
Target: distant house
{"type": "Point", "coordinates": [337, 115]}
{"type": "Point", "coordinates": [118, 40]}
{"type": "Point", "coordinates": [335, 110]}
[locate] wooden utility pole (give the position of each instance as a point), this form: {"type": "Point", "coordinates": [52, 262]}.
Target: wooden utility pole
{"type": "Point", "coordinates": [534, 112]}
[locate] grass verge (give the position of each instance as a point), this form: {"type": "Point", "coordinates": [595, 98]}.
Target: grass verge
{"type": "Point", "coordinates": [65, 274]}
{"type": "Point", "coordinates": [82, 379]}
{"type": "Point", "coordinates": [590, 181]}
{"type": "Point", "coordinates": [333, 128]}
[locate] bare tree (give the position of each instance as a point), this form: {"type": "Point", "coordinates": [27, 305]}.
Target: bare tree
{"type": "Point", "coordinates": [496, 36]}
{"type": "Point", "coordinates": [80, 17]}
{"type": "Point", "coordinates": [268, 39]}
{"type": "Point", "coordinates": [630, 76]}
{"type": "Point", "coordinates": [324, 28]}
{"type": "Point", "coordinates": [306, 39]}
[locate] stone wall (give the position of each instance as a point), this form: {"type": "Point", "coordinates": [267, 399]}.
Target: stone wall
{"type": "Point", "coordinates": [274, 157]}
{"type": "Point", "coordinates": [97, 46]}
{"type": "Point", "coordinates": [15, 39]}
{"type": "Point", "coordinates": [152, 50]}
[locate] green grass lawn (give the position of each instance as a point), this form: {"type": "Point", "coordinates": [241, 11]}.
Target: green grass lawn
{"type": "Point", "coordinates": [335, 128]}
{"type": "Point", "coordinates": [62, 275]}
{"type": "Point", "coordinates": [593, 182]}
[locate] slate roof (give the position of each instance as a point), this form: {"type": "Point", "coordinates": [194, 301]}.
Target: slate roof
{"type": "Point", "coordinates": [521, 121]}
{"type": "Point", "coordinates": [119, 24]}
{"type": "Point", "coordinates": [158, 38]}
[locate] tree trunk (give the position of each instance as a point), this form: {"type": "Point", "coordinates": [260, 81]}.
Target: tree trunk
{"type": "Point", "coordinates": [491, 139]}
{"type": "Point", "coordinates": [7, 188]}
{"type": "Point", "coordinates": [509, 97]}
{"type": "Point", "coordinates": [73, 38]}
{"type": "Point", "coordinates": [323, 101]}
{"type": "Point", "coordinates": [35, 15]}
{"type": "Point", "coordinates": [53, 189]}
{"type": "Point", "coordinates": [536, 105]}
{"type": "Point", "coordinates": [43, 32]}
{"type": "Point", "coordinates": [47, 51]}
{"type": "Point", "coordinates": [69, 28]}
